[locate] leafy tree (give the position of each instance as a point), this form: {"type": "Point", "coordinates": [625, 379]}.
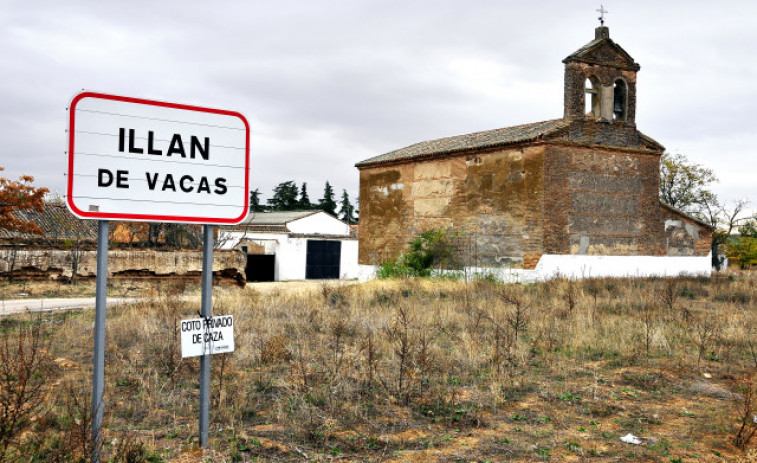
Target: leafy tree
{"type": "Point", "coordinates": [749, 228]}
{"type": "Point", "coordinates": [255, 201]}
{"type": "Point", "coordinates": [683, 184]}
{"type": "Point", "coordinates": [284, 197]}
{"type": "Point", "coordinates": [20, 195]}
{"type": "Point", "coordinates": [304, 201]}
{"type": "Point", "coordinates": [327, 203]}
{"type": "Point", "coordinates": [347, 210]}
{"type": "Point", "coordinates": [743, 248]}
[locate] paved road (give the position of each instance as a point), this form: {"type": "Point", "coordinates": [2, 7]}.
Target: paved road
{"type": "Point", "coordinates": [47, 305]}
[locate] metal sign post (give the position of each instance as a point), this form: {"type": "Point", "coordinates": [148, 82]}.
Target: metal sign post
{"type": "Point", "coordinates": [206, 312]}
{"type": "Point", "coordinates": [98, 376]}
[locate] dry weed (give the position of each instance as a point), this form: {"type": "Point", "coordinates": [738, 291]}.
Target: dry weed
{"type": "Point", "coordinates": [363, 371]}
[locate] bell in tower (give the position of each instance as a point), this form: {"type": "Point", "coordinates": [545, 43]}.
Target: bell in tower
{"type": "Point", "coordinates": [620, 100]}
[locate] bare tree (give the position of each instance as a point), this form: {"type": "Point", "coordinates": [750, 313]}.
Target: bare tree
{"type": "Point", "coordinates": [10, 257]}
{"type": "Point", "coordinates": [25, 368]}
{"type": "Point", "coordinates": [725, 219]}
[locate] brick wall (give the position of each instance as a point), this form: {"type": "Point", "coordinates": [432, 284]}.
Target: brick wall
{"type": "Point", "coordinates": [605, 202]}
{"type": "Point", "coordinates": [493, 199]}
{"type": "Point", "coordinates": [385, 213]}
{"type": "Point", "coordinates": [513, 205]}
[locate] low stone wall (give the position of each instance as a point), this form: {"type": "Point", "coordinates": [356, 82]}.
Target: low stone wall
{"type": "Point", "coordinates": [56, 264]}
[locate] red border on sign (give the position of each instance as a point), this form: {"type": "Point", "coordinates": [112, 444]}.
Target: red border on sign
{"type": "Point", "coordinates": [147, 217]}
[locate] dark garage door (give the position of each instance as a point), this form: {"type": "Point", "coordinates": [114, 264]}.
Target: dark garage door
{"type": "Point", "coordinates": [260, 267]}
{"type": "Point", "coordinates": [323, 259]}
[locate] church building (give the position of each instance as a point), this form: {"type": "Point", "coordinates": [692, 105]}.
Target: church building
{"type": "Point", "coordinates": [575, 196]}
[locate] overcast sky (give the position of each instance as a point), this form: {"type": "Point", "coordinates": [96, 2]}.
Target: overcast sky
{"type": "Point", "coordinates": [327, 84]}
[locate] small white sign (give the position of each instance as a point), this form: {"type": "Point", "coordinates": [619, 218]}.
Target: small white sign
{"type": "Point", "coordinates": [201, 336]}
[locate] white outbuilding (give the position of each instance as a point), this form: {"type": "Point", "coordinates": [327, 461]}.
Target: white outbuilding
{"type": "Point", "coordinates": [293, 245]}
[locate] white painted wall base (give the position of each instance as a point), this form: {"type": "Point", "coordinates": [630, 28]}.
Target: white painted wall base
{"type": "Point", "coordinates": [582, 266]}
{"type": "Point", "coordinates": [574, 266]}
{"type": "Point", "coordinates": [366, 272]}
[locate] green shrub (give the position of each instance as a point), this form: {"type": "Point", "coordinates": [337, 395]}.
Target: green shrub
{"type": "Point", "coordinates": [431, 248]}
{"type": "Point", "coordinates": [393, 269]}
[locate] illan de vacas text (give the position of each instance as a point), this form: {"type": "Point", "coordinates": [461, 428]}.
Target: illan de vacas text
{"type": "Point", "coordinates": [166, 182]}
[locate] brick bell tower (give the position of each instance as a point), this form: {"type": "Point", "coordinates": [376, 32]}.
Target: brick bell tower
{"type": "Point", "coordinates": [600, 83]}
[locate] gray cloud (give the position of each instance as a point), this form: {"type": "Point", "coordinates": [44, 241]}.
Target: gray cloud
{"type": "Point", "coordinates": [327, 84]}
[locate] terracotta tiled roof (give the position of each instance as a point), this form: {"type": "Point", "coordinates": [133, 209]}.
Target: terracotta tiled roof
{"type": "Point", "coordinates": [56, 222]}
{"type": "Point", "coordinates": [477, 140]}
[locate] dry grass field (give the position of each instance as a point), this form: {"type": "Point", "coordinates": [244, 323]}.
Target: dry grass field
{"type": "Point", "coordinates": [401, 371]}
{"type": "Point", "coordinates": [46, 289]}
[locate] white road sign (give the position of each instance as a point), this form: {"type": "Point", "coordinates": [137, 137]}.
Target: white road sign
{"type": "Point", "coordinates": [213, 336]}
{"type": "Point", "coordinates": [142, 160]}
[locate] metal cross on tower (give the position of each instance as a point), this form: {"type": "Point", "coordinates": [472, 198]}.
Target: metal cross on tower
{"type": "Point", "coordinates": [602, 12]}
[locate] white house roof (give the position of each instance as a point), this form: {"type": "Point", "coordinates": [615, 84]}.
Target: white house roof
{"type": "Point", "coordinates": [313, 222]}
{"type": "Point", "coordinates": [276, 218]}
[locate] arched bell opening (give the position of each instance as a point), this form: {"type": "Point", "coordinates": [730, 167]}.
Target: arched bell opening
{"type": "Point", "coordinates": [591, 98]}
{"type": "Point", "coordinates": [620, 100]}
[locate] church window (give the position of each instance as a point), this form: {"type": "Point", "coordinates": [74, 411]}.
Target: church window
{"type": "Point", "coordinates": [620, 100]}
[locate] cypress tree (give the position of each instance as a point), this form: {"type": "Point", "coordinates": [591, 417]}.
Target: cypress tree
{"type": "Point", "coordinates": [347, 210]}
{"type": "Point", "coordinates": [304, 202]}
{"type": "Point", "coordinates": [255, 201]}
{"type": "Point", "coordinates": [327, 203]}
